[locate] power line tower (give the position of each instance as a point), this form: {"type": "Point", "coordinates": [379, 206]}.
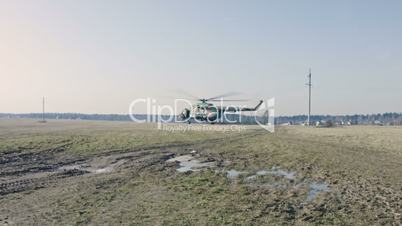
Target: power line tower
{"type": "Point", "coordinates": [43, 110]}
{"type": "Point", "coordinates": [309, 84]}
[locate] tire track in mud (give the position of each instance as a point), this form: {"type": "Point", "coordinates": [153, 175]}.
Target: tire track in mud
{"type": "Point", "coordinates": [48, 176]}
{"type": "Point", "coordinates": [43, 169]}
{"type": "Point", "coordinates": [35, 183]}
{"type": "Point", "coordinates": [15, 156]}
{"type": "Point", "coordinates": [15, 164]}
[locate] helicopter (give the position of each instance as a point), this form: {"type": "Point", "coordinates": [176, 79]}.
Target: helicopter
{"type": "Point", "coordinates": [205, 111]}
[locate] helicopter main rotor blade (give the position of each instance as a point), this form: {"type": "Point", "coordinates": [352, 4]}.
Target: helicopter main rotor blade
{"type": "Point", "coordinates": [238, 100]}
{"type": "Point", "coordinates": [188, 95]}
{"type": "Point", "coordinates": [224, 95]}
{"type": "Point", "coordinates": [166, 97]}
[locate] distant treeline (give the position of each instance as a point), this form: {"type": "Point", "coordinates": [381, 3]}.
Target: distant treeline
{"type": "Point", "coordinates": [385, 119]}
{"type": "Point", "coordinates": [73, 116]}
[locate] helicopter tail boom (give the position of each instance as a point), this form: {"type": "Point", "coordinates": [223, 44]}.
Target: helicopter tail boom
{"type": "Point", "coordinates": [255, 108]}
{"type": "Point", "coordinates": [236, 109]}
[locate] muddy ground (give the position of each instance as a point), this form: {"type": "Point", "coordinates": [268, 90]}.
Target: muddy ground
{"type": "Point", "coordinates": [108, 173]}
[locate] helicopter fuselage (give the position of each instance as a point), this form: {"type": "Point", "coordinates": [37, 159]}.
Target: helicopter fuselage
{"type": "Point", "coordinates": [207, 112]}
{"type": "Point", "coordinates": [202, 112]}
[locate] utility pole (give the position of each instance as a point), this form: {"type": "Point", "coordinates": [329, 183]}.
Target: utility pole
{"type": "Point", "coordinates": [43, 110]}
{"type": "Point", "coordinates": [309, 97]}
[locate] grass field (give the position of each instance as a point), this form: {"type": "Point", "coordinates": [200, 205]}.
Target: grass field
{"type": "Point", "coordinates": [106, 173]}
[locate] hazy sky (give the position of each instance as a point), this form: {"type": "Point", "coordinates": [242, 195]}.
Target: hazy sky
{"type": "Point", "coordinates": [97, 56]}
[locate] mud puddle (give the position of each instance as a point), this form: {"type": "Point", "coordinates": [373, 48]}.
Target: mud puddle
{"type": "Point", "coordinates": [274, 171]}
{"type": "Point", "coordinates": [93, 167]}
{"type": "Point", "coordinates": [277, 178]}
{"type": "Point", "coordinates": [233, 174]}
{"type": "Point", "coordinates": [188, 163]}
{"type": "Point", "coordinates": [315, 188]}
